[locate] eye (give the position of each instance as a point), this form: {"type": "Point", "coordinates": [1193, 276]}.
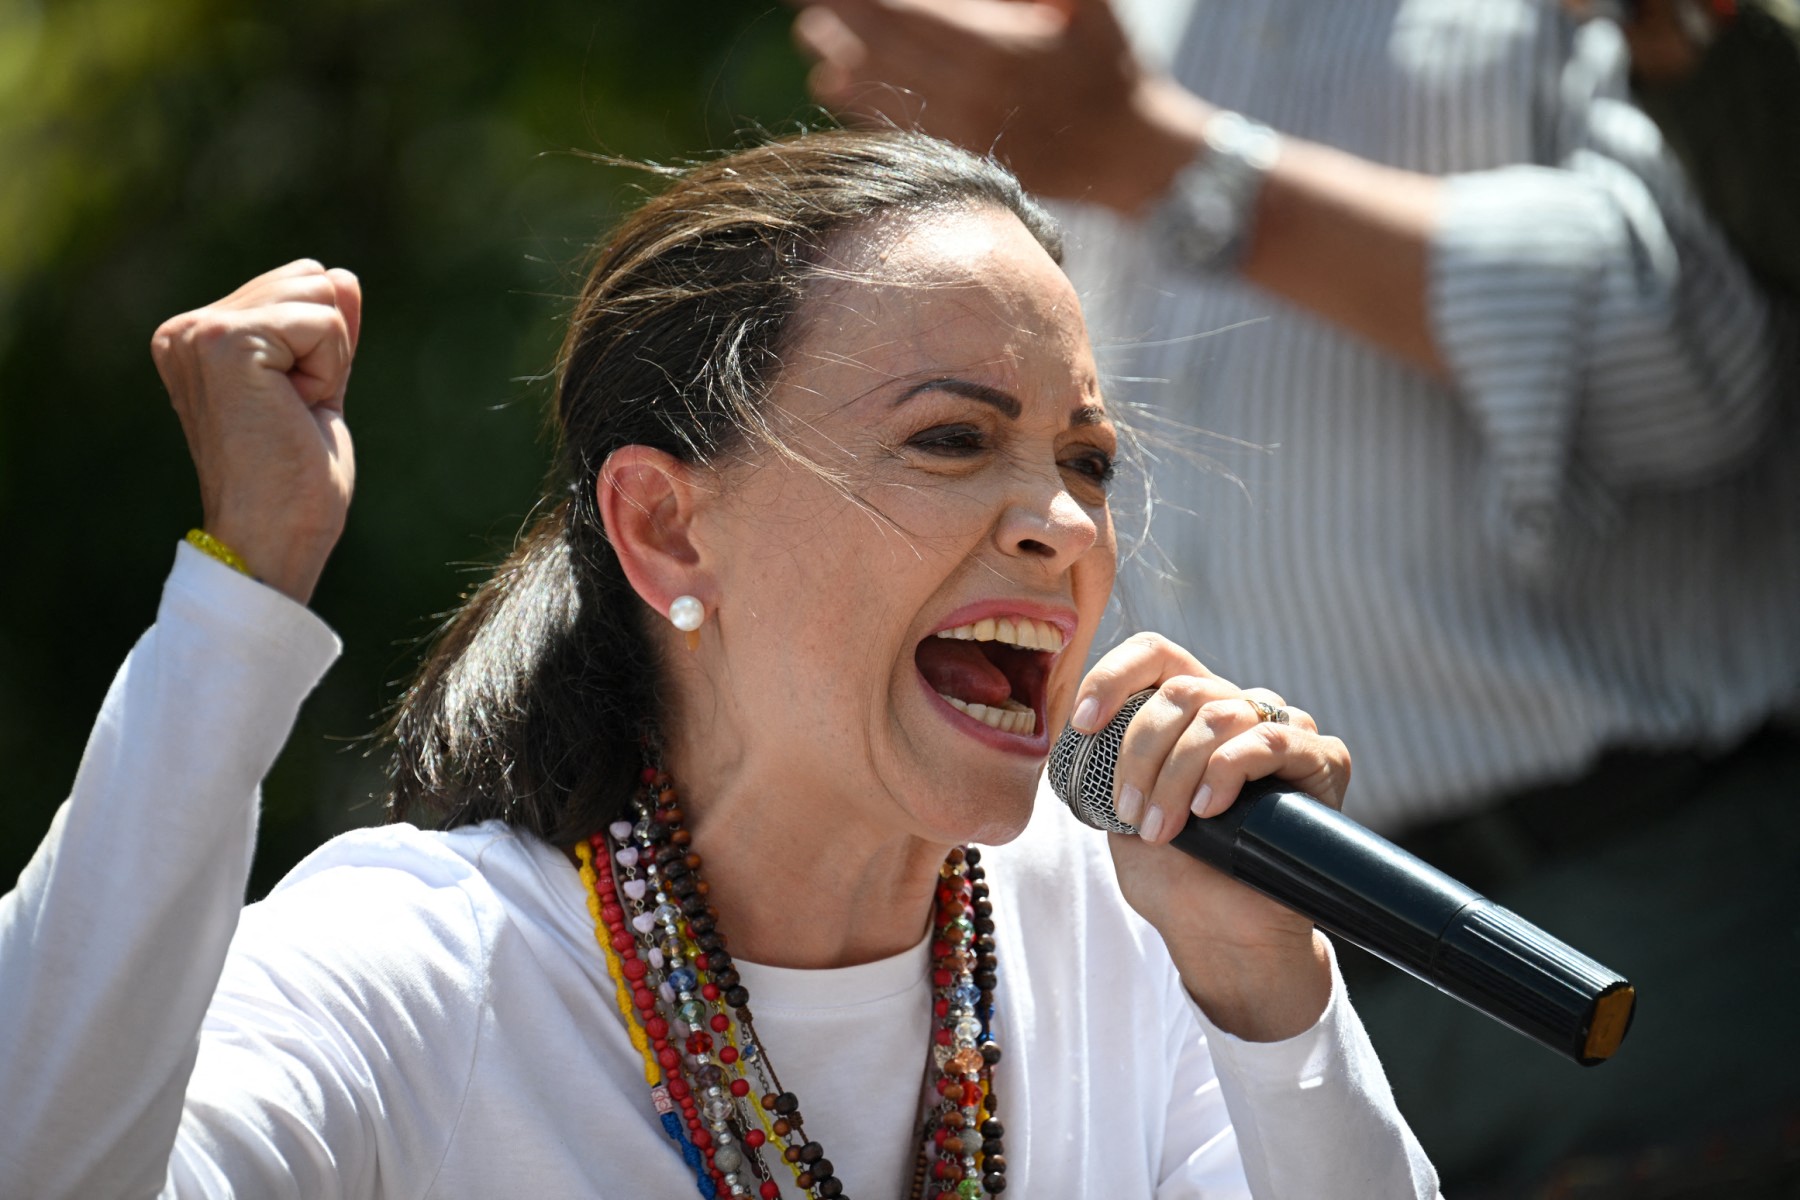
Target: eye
{"type": "Point", "coordinates": [951, 441]}
{"type": "Point", "coordinates": [1096, 465]}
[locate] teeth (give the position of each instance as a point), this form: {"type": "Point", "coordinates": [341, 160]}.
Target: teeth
{"type": "Point", "coordinates": [1023, 632]}
{"type": "Point", "coordinates": [1009, 717]}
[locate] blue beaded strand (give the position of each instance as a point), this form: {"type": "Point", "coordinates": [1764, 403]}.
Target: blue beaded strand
{"type": "Point", "coordinates": [690, 1154]}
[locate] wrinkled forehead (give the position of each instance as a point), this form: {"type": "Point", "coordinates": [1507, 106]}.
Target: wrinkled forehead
{"type": "Point", "coordinates": [967, 291]}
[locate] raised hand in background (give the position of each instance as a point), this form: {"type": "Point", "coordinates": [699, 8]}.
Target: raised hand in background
{"type": "Point", "coordinates": [1053, 89]}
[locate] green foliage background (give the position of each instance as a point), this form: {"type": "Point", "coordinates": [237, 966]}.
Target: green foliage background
{"type": "Point", "coordinates": [153, 155]}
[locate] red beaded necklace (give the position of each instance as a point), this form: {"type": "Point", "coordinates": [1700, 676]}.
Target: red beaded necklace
{"type": "Point", "coordinates": [714, 1090]}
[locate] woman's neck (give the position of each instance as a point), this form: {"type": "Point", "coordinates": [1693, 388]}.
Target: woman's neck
{"type": "Point", "coordinates": [807, 883]}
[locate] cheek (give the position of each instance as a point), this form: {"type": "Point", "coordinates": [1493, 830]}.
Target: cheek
{"type": "Point", "coordinates": [1093, 585]}
{"type": "Point", "coordinates": [829, 601]}
{"type": "Point", "coordinates": [1101, 565]}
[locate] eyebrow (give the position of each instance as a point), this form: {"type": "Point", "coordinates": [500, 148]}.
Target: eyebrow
{"type": "Point", "coordinates": [1005, 402]}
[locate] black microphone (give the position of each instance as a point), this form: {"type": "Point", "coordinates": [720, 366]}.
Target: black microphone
{"type": "Point", "coordinates": [1363, 888]}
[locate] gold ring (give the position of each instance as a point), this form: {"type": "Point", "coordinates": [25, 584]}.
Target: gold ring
{"type": "Point", "coordinates": [1268, 712]}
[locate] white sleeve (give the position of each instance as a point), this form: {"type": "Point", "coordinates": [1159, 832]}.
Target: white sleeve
{"type": "Point", "coordinates": [1602, 333]}
{"type": "Point", "coordinates": [1312, 1117]}
{"type": "Point", "coordinates": [340, 1044]}
{"type": "Point", "coordinates": [113, 940]}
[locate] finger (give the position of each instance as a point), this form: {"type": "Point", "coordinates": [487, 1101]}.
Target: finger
{"type": "Point", "coordinates": [1299, 718]}
{"type": "Point", "coordinates": [832, 24]}
{"type": "Point", "coordinates": [282, 336]}
{"type": "Point", "coordinates": [1316, 764]}
{"type": "Point", "coordinates": [309, 343]}
{"type": "Point", "coordinates": [838, 54]}
{"type": "Point", "coordinates": [835, 88]}
{"type": "Point", "coordinates": [1143, 660]}
{"type": "Point", "coordinates": [1181, 771]}
{"type": "Point", "coordinates": [349, 301]}
{"type": "Point", "coordinates": [322, 376]}
{"type": "Point", "coordinates": [875, 72]}
{"type": "Point", "coordinates": [298, 288]}
{"type": "Point", "coordinates": [1149, 740]}
{"type": "Point", "coordinates": [922, 32]}
{"type": "Point", "coordinates": [961, 19]}
{"type": "Point", "coordinates": [1289, 714]}
{"type": "Point", "coordinates": [1265, 695]}
{"type": "Point", "coordinates": [822, 36]}
{"type": "Point", "coordinates": [300, 268]}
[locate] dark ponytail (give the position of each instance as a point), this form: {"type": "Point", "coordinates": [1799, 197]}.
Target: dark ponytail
{"type": "Point", "coordinates": [533, 702]}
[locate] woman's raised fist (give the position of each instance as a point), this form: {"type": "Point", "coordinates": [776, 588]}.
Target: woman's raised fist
{"type": "Point", "coordinates": [258, 380]}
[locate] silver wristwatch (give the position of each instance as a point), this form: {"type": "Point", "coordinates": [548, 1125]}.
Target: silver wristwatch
{"type": "Point", "coordinates": [1204, 221]}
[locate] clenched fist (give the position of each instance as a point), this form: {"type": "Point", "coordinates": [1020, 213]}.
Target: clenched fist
{"type": "Point", "coordinates": [258, 380]}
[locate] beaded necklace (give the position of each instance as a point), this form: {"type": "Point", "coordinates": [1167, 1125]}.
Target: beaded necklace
{"type": "Point", "coordinates": [687, 1013]}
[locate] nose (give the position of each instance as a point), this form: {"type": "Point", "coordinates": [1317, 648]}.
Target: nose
{"type": "Point", "coordinates": [1048, 524]}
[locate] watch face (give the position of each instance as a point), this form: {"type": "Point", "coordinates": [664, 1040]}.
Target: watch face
{"type": "Point", "coordinates": [1206, 217]}
{"type": "Point", "coordinates": [1211, 220]}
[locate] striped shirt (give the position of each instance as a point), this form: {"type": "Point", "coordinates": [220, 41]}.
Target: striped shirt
{"type": "Point", "coordinates": [1591, 539]}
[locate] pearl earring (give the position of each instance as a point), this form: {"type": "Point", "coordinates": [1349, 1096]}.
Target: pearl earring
{"type": "Point", "coordinates": [687, 614]}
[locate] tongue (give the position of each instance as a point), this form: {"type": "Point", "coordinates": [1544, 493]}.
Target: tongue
{"type": "Point", "coordinates": [958, 668]}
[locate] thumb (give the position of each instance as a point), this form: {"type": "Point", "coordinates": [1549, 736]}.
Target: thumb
{"type": "Point", "coordinates": [347, 295]}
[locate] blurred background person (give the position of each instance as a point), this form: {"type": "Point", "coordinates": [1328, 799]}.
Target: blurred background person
{"type": "Point", "coordinates": [1513, 423]}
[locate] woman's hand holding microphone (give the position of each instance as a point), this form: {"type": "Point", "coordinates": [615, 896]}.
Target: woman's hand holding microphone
{"type": "Point", "coordinates": [258, 380]}
{"type": "Point", "coordinates": [1259, 970]}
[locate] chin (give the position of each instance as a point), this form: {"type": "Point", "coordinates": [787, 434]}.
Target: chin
{"type": "Point", "coordinates": [986, 806]}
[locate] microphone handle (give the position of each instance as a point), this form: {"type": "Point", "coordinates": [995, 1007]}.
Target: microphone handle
{"type": "Point", "coordinates": [1363, 888]}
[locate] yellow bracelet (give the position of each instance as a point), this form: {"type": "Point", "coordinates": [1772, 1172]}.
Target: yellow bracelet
{"type": "Point", "coordinates": [207, 544]}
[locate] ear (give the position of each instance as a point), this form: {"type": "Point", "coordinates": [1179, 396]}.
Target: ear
{"type": "Point", "coordinates": [648, 500]}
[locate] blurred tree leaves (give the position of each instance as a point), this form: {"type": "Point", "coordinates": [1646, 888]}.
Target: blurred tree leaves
{"type": "Point", "coordinates": [155, 155]}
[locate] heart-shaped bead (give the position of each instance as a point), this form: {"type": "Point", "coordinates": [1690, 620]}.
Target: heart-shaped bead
{"type": "Point", "coordinates": [627, 856]}
{"type": "Point", "coordinates": [634, 888]}
{"type": "Point", "coordinates": [621, 830]}
{"type": "Point", "coordinates": [644, 922]}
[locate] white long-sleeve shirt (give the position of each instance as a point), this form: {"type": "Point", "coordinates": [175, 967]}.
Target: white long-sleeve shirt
{"type": "Point", "coordinates": [1588, 537]}
{"type": "Point", "coordinates": [416, 1014]}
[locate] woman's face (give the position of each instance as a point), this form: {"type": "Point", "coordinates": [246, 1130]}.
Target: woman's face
{"type": "Point", "coordinates": [908, 634]}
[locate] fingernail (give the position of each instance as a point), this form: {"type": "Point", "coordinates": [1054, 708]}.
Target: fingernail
{"type": "Point", "coordinates": [1131, 804]}
{"type": "Point", "coordinates": [1086, 713]}
{"type": "Point", "coordinates": [1202, 800]}
{"type": "Point", "coordinates": [1153, 823]}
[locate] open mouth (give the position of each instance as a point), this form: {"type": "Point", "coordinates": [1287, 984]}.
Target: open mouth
{"type": "Point", "coordinates": [993, 670]}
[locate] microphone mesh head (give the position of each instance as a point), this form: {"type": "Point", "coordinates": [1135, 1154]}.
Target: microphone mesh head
{"type": "Point", "coordinates": [1082, 765]}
